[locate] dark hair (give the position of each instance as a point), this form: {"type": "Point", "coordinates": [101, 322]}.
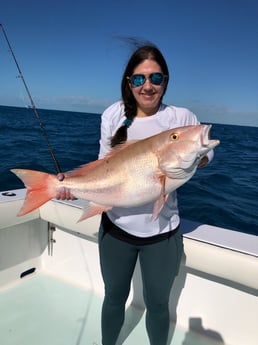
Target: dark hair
{"type": "Point", "coordinates": [142, 53]}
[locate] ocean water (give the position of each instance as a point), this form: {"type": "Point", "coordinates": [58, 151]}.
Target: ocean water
{"type": "Point", "coordinates": [225, 193]}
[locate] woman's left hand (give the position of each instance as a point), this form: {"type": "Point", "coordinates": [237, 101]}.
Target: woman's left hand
{"type": "Point", "coordinates": [204, 161]}
{"type": "Point", "coordinates": [63, 193]}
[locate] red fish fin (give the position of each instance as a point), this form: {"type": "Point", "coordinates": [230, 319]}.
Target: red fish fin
{"type": "Point", "coordinates": [86, 168]}
{"type": "Point", "coordinates": [161, 200]}
{"type": "Point", "coordinates": [83, 169]}
{"type": "Point", "coordinates": [119, 148]}
{"type": "Point", "coordinates": [92, 209]}
{"type": "Point", "coordinates": [38, 186]}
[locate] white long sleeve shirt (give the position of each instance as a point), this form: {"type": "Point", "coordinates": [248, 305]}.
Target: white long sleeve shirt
{"type": "Point", "coordinates": [137, 220]}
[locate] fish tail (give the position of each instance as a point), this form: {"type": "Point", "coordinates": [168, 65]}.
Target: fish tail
{"type": "Point", "coordinates": [40, 188]}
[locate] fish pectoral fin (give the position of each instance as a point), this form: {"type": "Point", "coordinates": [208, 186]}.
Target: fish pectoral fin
{"type": "Point", "coordinates": [92, 209]}
{"type": "Point", "coordinates": [158, 205]}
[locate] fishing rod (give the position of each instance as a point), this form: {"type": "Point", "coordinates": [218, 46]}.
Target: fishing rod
{"type": "Point", "coordinates": [33, 106]}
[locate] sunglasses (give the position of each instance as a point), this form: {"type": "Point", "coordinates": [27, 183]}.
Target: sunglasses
{"type": "Point", "coordinates": [139, 79]}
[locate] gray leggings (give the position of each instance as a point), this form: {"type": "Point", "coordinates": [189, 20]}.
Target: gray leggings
{"type": "Point", "coordinates": [159, 264]}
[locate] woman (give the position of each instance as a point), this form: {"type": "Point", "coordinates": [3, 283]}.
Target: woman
{"type": "Point", "coordinates": [128, 234]}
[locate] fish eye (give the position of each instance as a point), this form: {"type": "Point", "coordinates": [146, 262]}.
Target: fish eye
{"type": "Point", "coordinates": [174, 136]}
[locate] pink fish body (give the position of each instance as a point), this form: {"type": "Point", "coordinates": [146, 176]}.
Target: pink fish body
{"type": "Point", "coordinates": [132, 174]}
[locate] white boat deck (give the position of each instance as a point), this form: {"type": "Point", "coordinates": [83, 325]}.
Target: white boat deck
{"type": "Point", "coordinates": [214, 299]}
{"type": "Point", "coordinates": [44, 310]}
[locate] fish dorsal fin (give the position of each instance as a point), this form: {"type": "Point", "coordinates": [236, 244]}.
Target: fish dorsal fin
{"type": "Point", "coordinates": [84, 169]}
{"type": "Point", "coordinates": [120, 147]}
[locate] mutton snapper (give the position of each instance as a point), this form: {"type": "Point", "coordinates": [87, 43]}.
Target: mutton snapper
{"type": "Point", "coordinates": [132, 174]}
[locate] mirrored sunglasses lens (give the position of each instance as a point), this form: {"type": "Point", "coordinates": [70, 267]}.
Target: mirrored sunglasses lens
{"type": "Point", "coordinates": [156, 78]}
{"type": "Point", "coordinates": [138, 80]}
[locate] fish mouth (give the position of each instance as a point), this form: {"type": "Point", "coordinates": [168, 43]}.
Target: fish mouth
{"type": "Point", "coordinates": [206, 142]}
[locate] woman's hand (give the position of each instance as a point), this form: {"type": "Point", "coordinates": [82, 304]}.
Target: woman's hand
{"type": "Point", "coordinates": [63, 193]}
{"type": "Point", "coordinates": [204, 161]}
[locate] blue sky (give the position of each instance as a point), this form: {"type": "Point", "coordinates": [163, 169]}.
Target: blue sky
{"type": "Point", "coordinates": [72, 55]}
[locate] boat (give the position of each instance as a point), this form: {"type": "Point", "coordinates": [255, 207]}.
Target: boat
{"type": "Point", "coordinates": [51, 288]}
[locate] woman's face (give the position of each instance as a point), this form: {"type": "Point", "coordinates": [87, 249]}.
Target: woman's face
{"type": "Point", "coordinates": [148, 95]}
